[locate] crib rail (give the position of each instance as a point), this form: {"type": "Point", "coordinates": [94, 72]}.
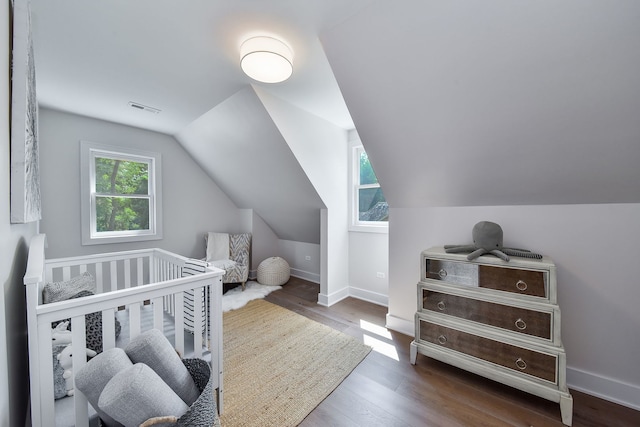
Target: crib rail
{"type": "Point", "coordinates": [128, 279]}
{"type": "Point", "coordinates": [118, 270]}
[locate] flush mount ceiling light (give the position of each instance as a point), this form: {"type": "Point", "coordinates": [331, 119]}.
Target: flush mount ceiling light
{"type": "Point", "coordinates": [266, 59]}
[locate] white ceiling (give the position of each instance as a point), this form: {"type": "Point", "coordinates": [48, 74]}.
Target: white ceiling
{"type": "Point", "coordinates": [495, 102]}
{"type": "Point", "coordinates": [457, 102]}
{"type": "Point", "coordinates": [182, 57]}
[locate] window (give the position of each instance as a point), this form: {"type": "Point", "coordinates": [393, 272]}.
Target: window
{"type": "Point", "coordinates": [121, 194]}
{"type": "Point", "coordinates": [370, 211]}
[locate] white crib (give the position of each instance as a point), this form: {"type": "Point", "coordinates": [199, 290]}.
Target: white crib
{"type": "Point", "coordinates": [133, 284]}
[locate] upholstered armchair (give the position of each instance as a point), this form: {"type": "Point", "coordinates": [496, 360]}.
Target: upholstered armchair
{"type": "Point", "coordinates": [230, 252]}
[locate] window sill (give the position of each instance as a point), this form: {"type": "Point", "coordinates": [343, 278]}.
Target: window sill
{"type": "Point", "coordinates": [380, 229]}
{"type": "Point", "coordinates": [119, 239]}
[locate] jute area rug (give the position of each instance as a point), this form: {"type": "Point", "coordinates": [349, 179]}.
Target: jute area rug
{"type": "Point", "coordinates": [279, 365]}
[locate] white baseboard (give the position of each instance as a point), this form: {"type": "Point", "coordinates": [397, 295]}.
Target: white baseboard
{"type": "Point", "coordinates": [295, 272]}
{"type": "Point", "coordinates": [306, 275]}
{"type": "Point", "coordinates": [369, 296]}
{"type": "Point", "coordinates": [605, 388]}
{"type": "Point", "coordinates": [407, 327]}
{"type": "Point", "coordinates": [329, 300]}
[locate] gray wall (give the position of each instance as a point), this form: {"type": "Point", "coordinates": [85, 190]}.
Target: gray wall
{"type": "Point", "coordinates": [192, 203]}
{"type": "Point", "coordinates": [14, 387]}
{"type": "Point", "coordinates": [596, 254]}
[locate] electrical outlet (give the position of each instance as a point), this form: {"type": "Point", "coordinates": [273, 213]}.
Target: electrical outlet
{"type": "Point", "coordinates": [307, 258]}
{"type": "Point", "coordinates": [380, 275]}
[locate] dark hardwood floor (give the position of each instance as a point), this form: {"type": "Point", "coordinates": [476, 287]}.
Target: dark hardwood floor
{"type": "Point", "coordinates": [386, 390]}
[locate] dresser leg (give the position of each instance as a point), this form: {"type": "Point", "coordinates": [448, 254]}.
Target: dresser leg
{"type": "Point", "coordinates": [413, 352]}
{"type": "Point", "coordinates": [566, 409]}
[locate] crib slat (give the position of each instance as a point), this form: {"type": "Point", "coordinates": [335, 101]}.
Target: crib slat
{"type": "Point", "coordinates": [127, 273]}
{"type": "Point", "coordinates": [83, 268]}
{"type": "Point", "coordinates": [99, 284]}
{"type": "Point", "coordinates": [114, 276]}
{"type": "Point", "coordinates": [153, 270]}
{"type": "Point", "coordinates": [158, 313]}
{"type": "Point", "coordinates": [47, 408]}
{"type": "Point", "coordinates": [134, 320]}
{"type": "Point", "coordinates": [108, 329]}
{"type": "Point", "coordinates": [197, 322]}
{"type": "Point", "coordinates": [179, 322]}
{"type": "Point", "coordinates": [215, 314]}
{"type": "Point", "coordinates": [140, 273]}
{"type": "Point", "coordinates": [66, 273]}
{"type": "Point", "coordinates": [79, 360]}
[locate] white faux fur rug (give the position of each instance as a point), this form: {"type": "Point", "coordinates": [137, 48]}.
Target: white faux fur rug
{"type": "Point", "coordinates": [236, 298]}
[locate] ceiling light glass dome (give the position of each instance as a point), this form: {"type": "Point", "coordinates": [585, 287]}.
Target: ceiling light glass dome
{"type": "Point", "coordinates": [266, 59]}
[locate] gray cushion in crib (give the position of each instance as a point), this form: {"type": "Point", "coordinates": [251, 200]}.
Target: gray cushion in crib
{"type": "Point", "coordinates": [154, 349]}
{"type": "Point", "coordinates": [59, 383]}
{"type": "Point", "coordinates": [92, 378]}
{"type": "Point", "coordinates": [93, 326]}
{"type": "Point", "coordinates": [136, 394]}
{"type": "Point", "coordinates": [60, 291]}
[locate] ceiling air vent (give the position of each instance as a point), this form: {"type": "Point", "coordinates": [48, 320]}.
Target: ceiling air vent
{"type": "Point", "coordinates": [139, 106]}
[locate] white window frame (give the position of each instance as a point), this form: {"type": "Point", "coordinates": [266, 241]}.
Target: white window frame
{"type": "Point", "coordinates": [88, 152]}
{"type": "Point", "coordinates": [355, 148]}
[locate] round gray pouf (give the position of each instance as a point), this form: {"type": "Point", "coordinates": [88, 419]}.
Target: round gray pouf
{"type": "Point", "coordinates": [273, 271]}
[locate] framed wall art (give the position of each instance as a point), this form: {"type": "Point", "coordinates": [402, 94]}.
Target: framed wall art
{"type": "Point", "coordinates": [25, 173]}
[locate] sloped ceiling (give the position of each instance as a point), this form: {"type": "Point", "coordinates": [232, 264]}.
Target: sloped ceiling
{"type": "Point", "coordinates": [495, 102]}
{"type": "Point", "coordinates": [92, 58]}
{"type": "Point", "coordinates": [457, 102]}
{"type": "Point", "coordinates": [240, 147]}
{"type": "Point", "coordinates": [182, 57]}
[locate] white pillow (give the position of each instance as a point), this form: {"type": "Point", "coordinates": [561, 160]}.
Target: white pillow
{"type": "Point", "coordinates": [223, 264]}
{"type": "Point", "coordinates": [217, 246]}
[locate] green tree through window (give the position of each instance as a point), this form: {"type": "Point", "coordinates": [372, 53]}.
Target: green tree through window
{"type": "Point", "coordinates": [372, 206]}
{"type": "Point", "coordinates": [122, 195]}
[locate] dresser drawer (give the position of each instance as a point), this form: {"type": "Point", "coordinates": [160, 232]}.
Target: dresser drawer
{"type": "Point", "coordinates": [516, 319]}
{"type": "Point", "coordinates": [518, 359]}
{"type": "Point", "coordinates": [515, 280]}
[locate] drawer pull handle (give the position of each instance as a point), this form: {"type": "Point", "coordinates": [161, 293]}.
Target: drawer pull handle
{"type": "Point", "coordinates": [521, 324]}
{"type": "Point", "coordinates": [442, 339]}
{"type": "Point", "coordinates": [442, 273]}
{"type": "Point", "coordinates": [521, 285]}
{"type": "Point", "coordinates": [441, 305]}
{"type": "Point", "coordinates": [521, 364]}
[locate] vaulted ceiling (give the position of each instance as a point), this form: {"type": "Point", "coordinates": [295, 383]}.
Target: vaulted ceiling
{"type": "Point", "coordinates": [495, 102]}
{"type": "Point", "coordinates": [181, 57]}
{"type": "Point", "coordinates": [458, 103]}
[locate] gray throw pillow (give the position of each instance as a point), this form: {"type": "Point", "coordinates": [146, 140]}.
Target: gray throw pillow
{"type": "Point", "coordinates": [136, 394]}
{"type": "Point", "coordinates": [92, 378]}
{"type": "Point", "coordinates": [154, 349]}
{"type": "Point", "coordinates": [60, 291]}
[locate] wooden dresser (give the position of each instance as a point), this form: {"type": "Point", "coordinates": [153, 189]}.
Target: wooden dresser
{"type": "Point", "coordinates": [497, 319]}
